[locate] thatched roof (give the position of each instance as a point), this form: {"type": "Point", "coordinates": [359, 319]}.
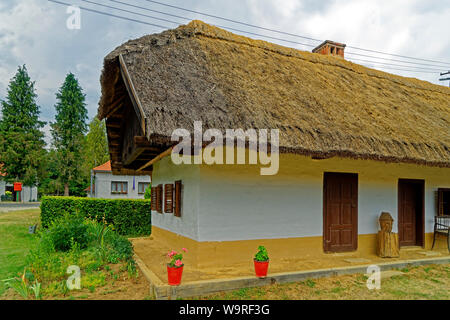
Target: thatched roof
{"type": "Point", "coordinates": [324, 106]}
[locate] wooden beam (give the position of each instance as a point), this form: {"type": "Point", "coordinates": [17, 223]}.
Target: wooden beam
{"type": "Point", "coordinates": [114, 135]}
{"type": "Point", "coordinates": [116, 115]}
{"type": "Point", "coordinates": [132, 93]}
{"type": "Point", "coordinates": [142, 142]}
{"type": "Point", "coordinates": [113, 124]}
{"type": "Point", "coordinates": [133, 156]}
{"type": "Point", "coordinates": [156, 159]}
{"type": "Point", "coordinates": [115, 106]}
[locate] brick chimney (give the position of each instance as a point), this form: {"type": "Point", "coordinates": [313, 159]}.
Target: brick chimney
{"type": "Point", "coordinates": [330, 48]}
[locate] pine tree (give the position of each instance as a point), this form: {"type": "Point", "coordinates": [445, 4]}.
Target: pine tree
{"type": "Point", "coordinates": [21, 139]}
{"type": "Point", "coordinates": [68, 130]}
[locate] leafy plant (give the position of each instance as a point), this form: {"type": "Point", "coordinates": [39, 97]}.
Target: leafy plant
{"type": "Point", "coordinates": [176, 258]}
{"type": "Point", "coordinates": [36, 288]}
{"type": "Point", "coordinates": [122, 248]}
{"type": "Point", "coordinates": [148, 192]}
{"type": "Point", "coordinates": [262, 254]}
{"type": "Point", "coordinates": [20, 285]}
{"type": "Point", "coordinates": [130, 217]}
{"type": "Point", "coordinates": [91, 244]}
{"type": "Point", "coordinates": [68, 230]}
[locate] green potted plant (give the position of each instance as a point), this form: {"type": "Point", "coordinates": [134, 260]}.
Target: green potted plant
{"type": "Point", "coordinates": [261, 262]}
{"type": "Point", "coordinates": [175, 267]}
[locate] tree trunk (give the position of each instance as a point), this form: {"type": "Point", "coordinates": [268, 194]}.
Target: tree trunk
{"type": "Point", "coordinates": [66, 189]}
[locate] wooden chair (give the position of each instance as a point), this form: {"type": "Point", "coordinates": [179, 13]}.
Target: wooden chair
{"type": "Point", "coordinates": [442, 226]}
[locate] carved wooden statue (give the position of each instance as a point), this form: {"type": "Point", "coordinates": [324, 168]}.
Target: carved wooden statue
{"type": "Point", "coordinates": [387, 241]}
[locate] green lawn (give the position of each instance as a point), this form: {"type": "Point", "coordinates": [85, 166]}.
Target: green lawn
{"type": "Point", "coordinates": [15, 242]}
{"type": "Point", "coordinates": [426, 282]}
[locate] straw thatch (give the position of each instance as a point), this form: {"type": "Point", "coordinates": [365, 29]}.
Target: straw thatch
{"type": "Point", "coordinates": [324, 106]}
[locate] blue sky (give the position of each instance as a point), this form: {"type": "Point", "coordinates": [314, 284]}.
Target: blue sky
{"type": "Point", "coordinates": [34, 32]}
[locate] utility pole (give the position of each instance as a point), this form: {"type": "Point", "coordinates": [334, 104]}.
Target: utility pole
{"type": "Point", "coordinates": [445, 79]}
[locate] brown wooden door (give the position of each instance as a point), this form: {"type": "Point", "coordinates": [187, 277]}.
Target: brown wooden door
{"type": "Point", "coordinates": [410, 212]}
{"type": "Point", "coordinates": [340, 212]}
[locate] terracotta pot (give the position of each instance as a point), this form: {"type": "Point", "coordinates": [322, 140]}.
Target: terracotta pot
{"type": "Point", "coordinates": [261, 268]}
{"type": "Point", "coordinates": [174, 275]}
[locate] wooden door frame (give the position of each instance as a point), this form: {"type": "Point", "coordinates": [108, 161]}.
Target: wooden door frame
{"type": "Point", "coordinates": [420, 182]}
{"type": "Point", "coordinates": [324, 210]}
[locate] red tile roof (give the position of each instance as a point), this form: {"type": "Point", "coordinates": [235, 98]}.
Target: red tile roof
{"type": "Point", "coordinates": [88, 189]}
{"type": "Point", "coordinates": [104, 167]}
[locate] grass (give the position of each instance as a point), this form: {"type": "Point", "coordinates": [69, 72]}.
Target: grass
{"type": "Point", "coordinates": [98, 281]}
{"type": "Point", "coordinates": [417, 283]}
{"type": "Point", "coordinates": [15, 242]}
{"type": "Point", "coordinates": [112, 282]}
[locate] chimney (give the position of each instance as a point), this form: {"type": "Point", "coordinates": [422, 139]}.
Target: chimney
{"type": "Point", "coordinates": [330, 48]}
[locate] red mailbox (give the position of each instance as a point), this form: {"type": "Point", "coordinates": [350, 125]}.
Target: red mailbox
{"type": "Point", "coordinates": [17, 186]}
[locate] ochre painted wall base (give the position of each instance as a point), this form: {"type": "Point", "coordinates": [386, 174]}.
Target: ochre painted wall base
{"type": "Point", "coordinates": [212, 254]}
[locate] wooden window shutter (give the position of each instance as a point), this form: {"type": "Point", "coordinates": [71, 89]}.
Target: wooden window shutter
{"type": "Point", "coordinates": [178, 186]}
{"type": "Point", "coordinates": [159, 198]}
{"type": "Point", "coordinates": [153, 198]}
{"type": "Point", "coordinates": [168, 198]}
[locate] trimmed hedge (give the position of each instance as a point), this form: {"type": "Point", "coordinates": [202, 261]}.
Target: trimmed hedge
{"type": "Point", "coordinates": [130, 217]}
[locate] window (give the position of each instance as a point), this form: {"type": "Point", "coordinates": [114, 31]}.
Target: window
{"type": "Point", "coordinates": [142, 186]}
{"type": "Point", "coordinates": [443, 201]}
{"type": "Point", "coordinates": [120, 187]}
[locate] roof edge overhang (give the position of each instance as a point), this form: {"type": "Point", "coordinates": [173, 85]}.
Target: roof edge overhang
{"type": "Point", "coordinates": [126, 122]}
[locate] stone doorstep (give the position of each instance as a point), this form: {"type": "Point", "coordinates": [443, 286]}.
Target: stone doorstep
{"type": "Point", "coordinates": [430, 253]}
{"type": "Point", "coordinates": [357, 260]}
{"type": "Point", "coordinates": [163, 291]}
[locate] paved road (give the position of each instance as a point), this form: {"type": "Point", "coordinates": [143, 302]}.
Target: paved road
{"type": "Point", "coordinates": [5, 207]}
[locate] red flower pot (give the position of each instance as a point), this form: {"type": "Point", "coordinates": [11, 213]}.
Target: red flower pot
{"type": "Point", "coordinates": [174, 275]}
{"type": "Point", "coordinates": [261, 268]}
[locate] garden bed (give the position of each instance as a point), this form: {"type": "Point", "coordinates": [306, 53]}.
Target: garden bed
{"type": "Point", "coordinates": [105, 260]}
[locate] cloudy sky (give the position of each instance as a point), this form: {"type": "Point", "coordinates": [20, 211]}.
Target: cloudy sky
{"type": "Point", "coordinates": [34, 32]}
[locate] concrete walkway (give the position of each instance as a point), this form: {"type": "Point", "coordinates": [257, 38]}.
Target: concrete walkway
{"type": "Point", "coordinates": [14, 206]}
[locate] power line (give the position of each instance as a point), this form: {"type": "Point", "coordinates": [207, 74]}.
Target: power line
{"type": "Point", "coordinates": [395, 65]}
{"type": "Point", "coordinates": [111, 15]}
{"type": "Point", "coordinates": [424, 70]}
{"type": "Point", "coordinates": [286, 33]}
{"type": "Point", "coordinates": [395, 60]}
{"type": "Point", "coordinates": [260, 35]}
{"type": "Point", "coordinates": [231, 20]}
{"type": "Point", "coordinates": [398, 55]}
{"type": "Point", "coordinates": [132, 12]}
{"type": "Point", "coordinates": [220, 26]}
{"type": "Point", "coordinates": [391, 68]}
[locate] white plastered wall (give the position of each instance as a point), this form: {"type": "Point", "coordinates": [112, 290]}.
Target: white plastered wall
{"type": "Point", "coordinates": [165, 172]}
{"type": "Point", "coordinates": [234, 202]}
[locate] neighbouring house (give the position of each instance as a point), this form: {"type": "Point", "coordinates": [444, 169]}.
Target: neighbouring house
{"type": "Point", "coordinates": [106, 185]}
{"type": "Point", "coordinates": [354, 142]}
{"type": "Point", "coordinates": [27, 194]}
